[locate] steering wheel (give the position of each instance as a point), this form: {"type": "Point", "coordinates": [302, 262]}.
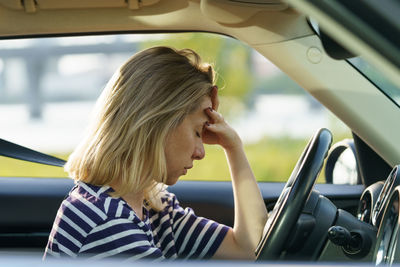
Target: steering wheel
{"type": "Point", "coordinates": [294, 196]}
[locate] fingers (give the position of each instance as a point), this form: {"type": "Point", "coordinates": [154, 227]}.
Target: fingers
{"type": "Point", "coordinates": [218, 131]}
{"type": "Point", "coordinates": [214, 116]}
{"type": "Point", "coordinates": [212, 127]}
{"type": "Point", "coordinates": [214, 97]}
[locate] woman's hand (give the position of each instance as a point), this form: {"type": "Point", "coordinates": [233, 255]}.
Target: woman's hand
{"type": "Point", "coordinates": [250, 211]}
{"type": "Point", "coordinates": [218, 131]}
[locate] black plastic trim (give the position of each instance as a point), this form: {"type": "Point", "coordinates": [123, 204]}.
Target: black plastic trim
{"type": "Point", "coordinates": [32, 203]}
{"type": "Point", "coordinates": [90, 33]}
{"type": "Point", "coordinates": [373, 168]}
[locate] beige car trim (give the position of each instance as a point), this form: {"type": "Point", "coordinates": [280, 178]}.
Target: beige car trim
{"type": "Point", "coordinates": [343, 90]}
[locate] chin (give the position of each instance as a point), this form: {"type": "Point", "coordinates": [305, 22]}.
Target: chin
{"type": "Point", "coordinates": [172, 181]}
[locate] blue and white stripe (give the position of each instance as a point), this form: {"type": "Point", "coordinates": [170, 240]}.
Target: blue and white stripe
{"type": "Point", "coordinates": [91, 223]}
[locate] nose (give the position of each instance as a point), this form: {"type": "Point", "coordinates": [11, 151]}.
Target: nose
{"type": "Point", "coordinates": [199, 151]}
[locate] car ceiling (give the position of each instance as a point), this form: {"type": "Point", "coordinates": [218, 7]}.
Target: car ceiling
{"type": "Point", "coordinates": [256, 22]}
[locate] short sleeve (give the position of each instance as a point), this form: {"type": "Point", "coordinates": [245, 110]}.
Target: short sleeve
{"type": "Point", "coordinates": [195, 237]}
{"type": "Point", "coordinates": [120, 237]}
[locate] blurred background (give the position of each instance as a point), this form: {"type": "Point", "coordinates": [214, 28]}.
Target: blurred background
{"type": "Point", "coordinates": [48, 88]}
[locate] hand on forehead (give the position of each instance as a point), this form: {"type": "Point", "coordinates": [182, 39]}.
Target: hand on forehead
{"type": "Point", "coordinates": [207, 102]}
{"type": "Point", "coordinates": [214, 98]}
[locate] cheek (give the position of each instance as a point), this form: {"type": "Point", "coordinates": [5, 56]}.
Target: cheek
{"type": "Point", "coordinates": [184, 142]}
{"type": "Point", "coordinates": [180, 156]}
{"type": "Point", "coordinates": [188, 145]}
{"type": "Point", "coordinates": [180, 146]}
{"type": "Point", "coordinates": [179, 149]}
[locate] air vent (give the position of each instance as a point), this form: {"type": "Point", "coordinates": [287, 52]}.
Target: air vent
{"type": "Point", "coordinates": [365, 208]}
{"type": "Point", "coordinates": [368, 201]}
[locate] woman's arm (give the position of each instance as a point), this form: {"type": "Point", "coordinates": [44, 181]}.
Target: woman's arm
{"type": "Point", "coordinates": [250, 211]}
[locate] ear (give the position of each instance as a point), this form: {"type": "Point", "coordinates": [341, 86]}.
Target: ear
{"type": "Point", "coordinates": [214, 97]}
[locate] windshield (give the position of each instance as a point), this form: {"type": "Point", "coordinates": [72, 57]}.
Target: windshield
{"type": "Point", "coordinates": [378, 78]}
{"type": "Point", "coordinates": [48, 88]}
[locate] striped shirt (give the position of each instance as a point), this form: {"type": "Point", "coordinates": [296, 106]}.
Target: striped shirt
{"type": "Point", "coordinates": [92, 223]}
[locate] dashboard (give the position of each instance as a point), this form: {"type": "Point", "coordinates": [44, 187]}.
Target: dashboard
{"type": "Point", "coordinates": [379, 206]}
{"type": "Point", "coordinates": [387, 240]}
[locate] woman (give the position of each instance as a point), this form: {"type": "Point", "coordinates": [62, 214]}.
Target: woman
{"type": "Point", "coordinates": [151, 122]}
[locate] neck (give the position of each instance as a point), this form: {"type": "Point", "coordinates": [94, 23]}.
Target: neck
{"type": "Point", "coordinates": [134, 200]}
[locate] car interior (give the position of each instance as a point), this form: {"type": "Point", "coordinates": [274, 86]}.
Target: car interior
{"type": "Point", "coordinates": [343, 220]}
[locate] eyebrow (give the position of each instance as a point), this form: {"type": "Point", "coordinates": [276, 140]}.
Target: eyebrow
{"type": "Point", "coordinates": [204, 119]}
{"type": "Point", "coordinates": [202, 123]}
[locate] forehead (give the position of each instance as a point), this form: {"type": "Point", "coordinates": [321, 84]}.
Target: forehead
{"type": "Point", "coordinates": [199, 115]}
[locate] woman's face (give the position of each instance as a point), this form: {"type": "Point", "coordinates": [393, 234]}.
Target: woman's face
{"type": "Point", "coordinates": [184, 143]}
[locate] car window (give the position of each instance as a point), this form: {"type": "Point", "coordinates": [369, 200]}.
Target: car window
{"type": "Point", "coordinates": [379, 78]}
{"type": "Point", "coordinates": [48, 87]}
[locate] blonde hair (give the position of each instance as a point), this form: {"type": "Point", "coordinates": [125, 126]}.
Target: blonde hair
{"type": "Point", "coordinates": [147, 97]}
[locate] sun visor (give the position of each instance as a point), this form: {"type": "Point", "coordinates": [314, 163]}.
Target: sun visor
{"type": "Point", "coordinates": [31, 6]}
{"type": "Point", "coordinates": [238, 11]}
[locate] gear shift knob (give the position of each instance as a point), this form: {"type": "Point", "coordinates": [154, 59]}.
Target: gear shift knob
{"type": "Point", "coordinates": [340, 236]}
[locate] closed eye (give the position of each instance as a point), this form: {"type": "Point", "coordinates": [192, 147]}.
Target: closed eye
{"type": "Point", "coordinates": [198, 134]}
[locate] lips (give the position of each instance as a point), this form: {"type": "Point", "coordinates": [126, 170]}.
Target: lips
{"type": "Point", "coordinates": [186, 169]}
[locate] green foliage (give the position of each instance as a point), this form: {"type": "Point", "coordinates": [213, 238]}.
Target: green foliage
{"type": "Point", "coordinates": [18, 168]}
{"type": "Point", "coordinates": [230, 59]}
{"type": "Point", "coordinates": [278, 84]}
{"type": "Point", "coordinates": [272, 160]}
